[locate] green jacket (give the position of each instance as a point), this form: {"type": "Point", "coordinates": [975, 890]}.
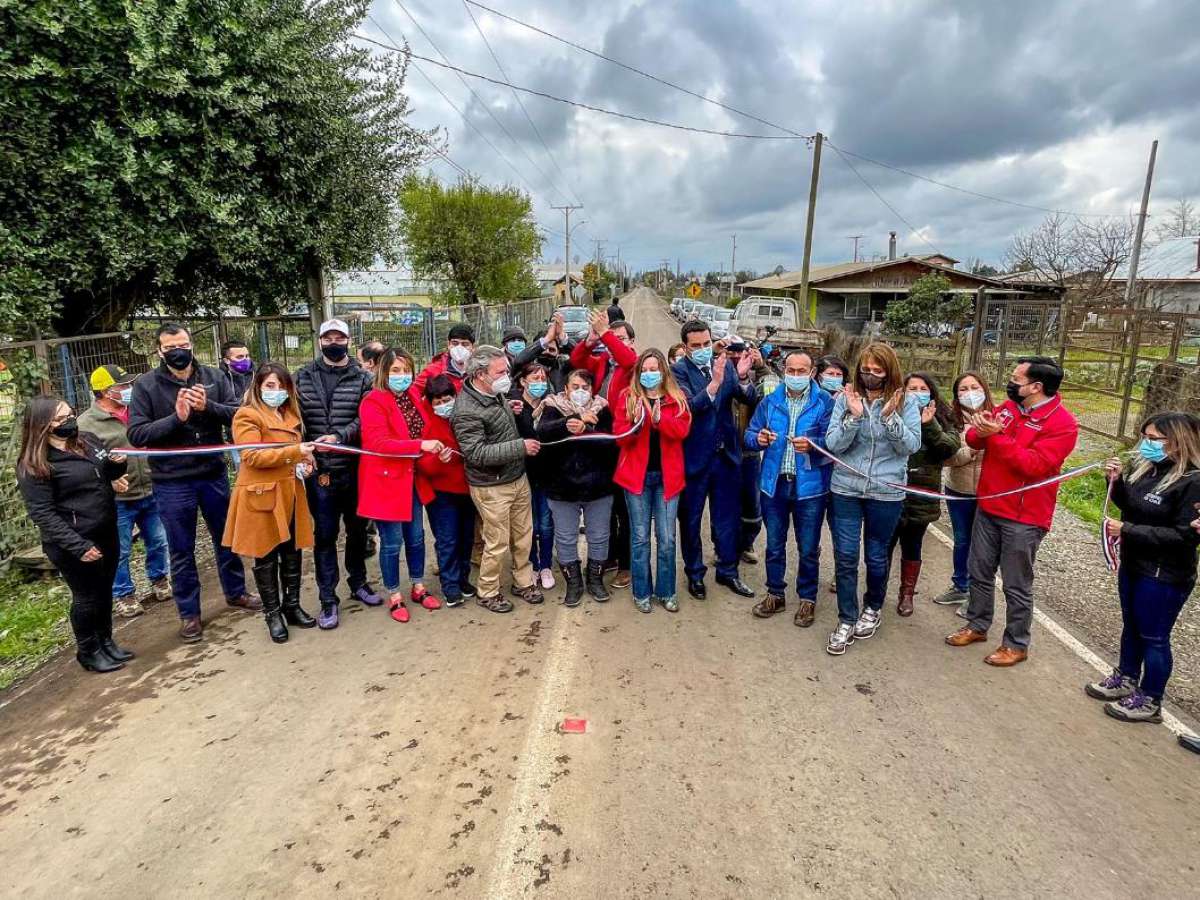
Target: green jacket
{"type": "Point", "coordinates": [110, 431]}
{"type": "Point", "coordinates": [925, 471]}
{"type": "Point", "coordinates": [486, 430]}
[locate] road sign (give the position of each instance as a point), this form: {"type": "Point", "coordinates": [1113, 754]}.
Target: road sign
{"type": "Point", "coordinates": [694, 290]}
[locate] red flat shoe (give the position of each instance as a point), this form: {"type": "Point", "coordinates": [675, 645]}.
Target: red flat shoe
{"type": "Point", "coordinates": [397, 610]}
{"type": "Point", "coordinates": [421, 595]}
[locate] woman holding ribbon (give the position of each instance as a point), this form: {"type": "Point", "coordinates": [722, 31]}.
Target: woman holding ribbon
{"type": "Point", "coordinates": [578, 480]}
{"type": "Point", "coordinates": [268, 516]}
{"type": "Point", "coordinates": [1157, 498]}
{"type": "Point", "coordinates": [874, 428]}
{"type": "Point", "coordinates": [394, 431]}
{"type": "Point", "coordinates": [527, 396]}
{"type": "Point", "coordinates": [650, 468]}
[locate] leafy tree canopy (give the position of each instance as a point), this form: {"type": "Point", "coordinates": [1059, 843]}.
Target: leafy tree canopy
{"type": "Point", "coordinates": [929, 310]}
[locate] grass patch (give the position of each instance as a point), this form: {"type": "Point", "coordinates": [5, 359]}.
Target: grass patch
{"type": "Point", "coordinates": [33, 624]}
{"type": "Point", "coordinates": [1084, 496]}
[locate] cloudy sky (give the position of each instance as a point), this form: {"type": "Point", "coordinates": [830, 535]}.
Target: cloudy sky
{"type": "Point", "coordinates": [1049, 103]}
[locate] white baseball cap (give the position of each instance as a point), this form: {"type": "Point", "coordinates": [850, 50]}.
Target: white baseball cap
{"type": "Point", "coordinates": [333, 325]}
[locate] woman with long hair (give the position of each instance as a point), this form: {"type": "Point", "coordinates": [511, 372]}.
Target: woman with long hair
{"type": "Point", "coordinates": [939, 441]}
{"type": "Point", "coordinates": [268, 516]}
{"type": "Point", "coordinates": [69, 483]}
{"type": "Point", "coordinates": [393, 422]}
{"type": "Point", "coordinates": [650, 469]}
{"type": "Point", "coordinates": [970, 395]}
{"type": "Point", "coordinates": [529, 392]}
{"type": "Point", "coordinates": [1157, 498]}
{"type": "Point", "coordinates": [874, 428]}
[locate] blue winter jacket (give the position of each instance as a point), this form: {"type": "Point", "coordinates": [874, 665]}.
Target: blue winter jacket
{"type": "Point", "coordinates": [881, 447]}
{"type": "Point", "coordinates": [812, 469]}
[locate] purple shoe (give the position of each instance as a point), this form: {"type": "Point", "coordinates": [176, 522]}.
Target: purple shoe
{"type": "Point", "coordinates": [367, 597]}
{"type": "Point", "coordinates": [327, 619]}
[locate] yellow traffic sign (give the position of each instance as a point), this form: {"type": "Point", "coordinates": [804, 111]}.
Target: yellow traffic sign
{"type": "Point", "coordinates": [694, 290]}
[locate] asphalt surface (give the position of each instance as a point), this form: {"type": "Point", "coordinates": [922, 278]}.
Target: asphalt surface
{"type": "Point", "coordinates": [723, 756]}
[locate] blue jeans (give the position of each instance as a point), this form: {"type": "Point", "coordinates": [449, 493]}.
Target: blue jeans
{"type": "Point", "coordinates": [752, 514]}
{"type": "Point", "coordinates": [645, 507]}
{"type": "Point", "coordinates": [412, 535]}
{"type": "Point", "coordinates": [872, 521]}
{"type": "Point", "coordinates": [541, 551]}
{"type": "Point", "coordinates": [144, 514]}
{"type": "Point", "coordinates": [806, 515]}
{"type": "Point", "coordinates": [1149, 608]}
{"type": "Point", "coordinates": [179, 501]}
{"type": "Point", "coordinates": [452, 521]}
{"type": "Point", "coordinates": [720, 486]}
{"type": "Point", "coordinates": [962, 520]}
{"type": "Point", "coordinates": [331, 506]}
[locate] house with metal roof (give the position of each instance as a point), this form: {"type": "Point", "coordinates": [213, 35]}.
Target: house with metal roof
{"type": "Point", "coordinates": [1168, 276]}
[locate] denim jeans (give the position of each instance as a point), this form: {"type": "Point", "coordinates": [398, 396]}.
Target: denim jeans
{"type": "Point", "coordinates": [541, 553]}
{"type": "Point", "coordinates": [873, 522]}
{"type": "Point", "coordinates": [331, 506]}
{"type": "Point", "coordinates": [752, 513]}
{"type": "Point", "coordinates": [597, 516]}
{"type": "Point", "coordinates": [805, 514]}
{"type": "Point", "coordinates": [144, 514]}
{"type": "Point", "coordinates": [962, 520]}
{"type": "Point", "coordinates": [411, 535]}
{"type": "Point", "coordinates": [645, 507]}
{"type": "Point", "coordinates": [452, 521]}
{"type": "Point", "coordinates": [1149, 608]}
{"type": "Point", "coordinates": [179, 501]}
{"type": "Point", "coordinates": [719, 486]}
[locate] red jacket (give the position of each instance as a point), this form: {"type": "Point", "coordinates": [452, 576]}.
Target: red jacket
{"type": "Point", "coordinates": [673, 427]}
{"type": "Point", "coordinates": [1031, 447]}
{"type": "Point", "coordinates": [433, 475]}
{"type": "Point", "coordinates": [385, 486]}
{"type": "Point", "coordinates": [439, 365]}
{"type": "Point", "coordinates": [623, 357]}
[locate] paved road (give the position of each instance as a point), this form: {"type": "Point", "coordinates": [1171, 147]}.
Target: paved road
{"type": "Point", "coordinates": [723, 757]}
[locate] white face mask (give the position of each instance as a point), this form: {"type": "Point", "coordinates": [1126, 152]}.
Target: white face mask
{"type": "Point", "coordinates": [580, 396]}
{"type": "Point", "coordinates": [971, 399]}
{"type": "Point", "coordinates": [459, 353]}
{"type": "Point", "coordinates": [501, 385]}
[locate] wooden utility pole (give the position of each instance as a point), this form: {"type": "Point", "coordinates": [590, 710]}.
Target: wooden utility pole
{"type": "Point", "coordinates": [808, 225]}
{"type": "Point", "coordinates": [856, 238]}
{"type": "Point", "coordinates": [1141, 227]}
{"type": "Point", "coordinates": [733, 267]}
{"type": "Point", "coordinates": [567, 250]}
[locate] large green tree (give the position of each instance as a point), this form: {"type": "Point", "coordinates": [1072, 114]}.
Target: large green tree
{"type": "Point", "coordinates": [480, 242]}
{"type": "Point", "coordinates": [929, 310]}
{"type": "Point", "coordinates": [190, 154]}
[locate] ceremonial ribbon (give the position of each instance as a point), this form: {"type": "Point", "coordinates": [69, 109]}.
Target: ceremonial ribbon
{"type": "Point", "coordinates": [1111, 545]}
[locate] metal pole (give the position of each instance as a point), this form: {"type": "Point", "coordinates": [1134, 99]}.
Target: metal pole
{"type": "Point", "coordinates": [808, 225]}
{"type": "Point", "coordinates": [567, 250]}
{"type": "Point", "coordinates": [1141, 227]}
{"type": "Point", "coordinates": [733, 268]}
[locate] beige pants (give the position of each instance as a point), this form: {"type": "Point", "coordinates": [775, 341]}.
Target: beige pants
{"type": "Point", "coordinates": [507, 514]}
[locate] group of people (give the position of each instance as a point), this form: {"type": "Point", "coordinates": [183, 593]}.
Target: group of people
{"type": "Point", "coordinates": [515, 451]}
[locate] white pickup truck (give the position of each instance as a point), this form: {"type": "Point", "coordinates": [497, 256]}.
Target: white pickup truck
{"type": "Point", "coordinates": [772, 318]}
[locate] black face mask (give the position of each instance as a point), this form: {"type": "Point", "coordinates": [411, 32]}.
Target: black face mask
{"type": "Point", "coordinates": [68, 430]}
{"type": "Point", "coordinates": [178, 358]}
{"type": "Point", "coordinates": [1014, 392]}
{"type": "Point", "coordinates": [335, 352]}
{"type": "Point", "coordinates": [871, 381]}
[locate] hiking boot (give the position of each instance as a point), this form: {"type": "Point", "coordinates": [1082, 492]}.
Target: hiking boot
{"type": "Point", "coordinates": [952, 597]}
{"type": "Point", "coordinates": [530, 595]}
{"type": "Point", "coordinates": [1137, 707]}
{"type": "Point", "coordinates": [768, 606]}
{"type": "Point", "coordinates": [327, 618]}
{"type": "Point", "coordinates": [805, 614]}
{"type": "Point", "coordinates": [749, 557]}
{"type": "Point", "coordinates": [1115, 687]}
{"type": "Point", "coordinates": [128, 607]}
{"type": "Point", "coordinates": [868, 623]}
{"type": "Point", "coordinates": [840, 638]}
{"type": "Point", "coordinates": [247, 601]}
{"type": "Point", "coordinates": [191, 629]}
{"type": "Point", "coordinates": [160, 592]}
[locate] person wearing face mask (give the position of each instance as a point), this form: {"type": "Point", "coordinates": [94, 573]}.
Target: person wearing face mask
{"type": "Point", "coordinates": [445, 495]}
{"type": "Point", "coordinates": [514, 343]}
{"type": "Point", "coordinates": [527, 396]}
{"type": "Point", "coordinates": [578, 481]}
{"type": "Point", "coordinates": [763, 382]}
{"type": "Point", "coordinates": [394, 422]}
{"type": "Point", "coordinates": [971, 395]}
{"type": "Point", "coordinates": [939, 442]}
{"type": "Point", "coordinates": [269, 519]}
{"type": "Point", "coordinates": [237, 367]}
{"type": "Point", "coordinates": [552, 351]}
{"type": "Point", "coordinates": [108, 419]}
{"type": "Point", "coordinates": [330, 390]}
{"type": "Point", "coordinates": [68, 480]}
{"type": "Point", "coordinates": [794, 482]}
{"type": "Point", "coordinates": [1157, 496]}
{"type": "Point", "coordinates": [184, 404]}
{"type": "Point", "coordinates": [830, 375]}
{"type": "Point", "coordinates": [460, 342]}
{"type": "Point", "coordinates": [1026, 440]}
{"type": "Point", "coordinates": [494, 454]}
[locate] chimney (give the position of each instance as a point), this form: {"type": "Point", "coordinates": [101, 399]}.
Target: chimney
{"type": "Point", "coordinates": [891, 245]}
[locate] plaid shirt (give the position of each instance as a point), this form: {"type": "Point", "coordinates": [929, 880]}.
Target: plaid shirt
{"type": "Point", "coordinates": [795, 407]}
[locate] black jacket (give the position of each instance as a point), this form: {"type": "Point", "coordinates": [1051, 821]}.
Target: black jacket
{"type": "Point", "coordinates": [238, 385]}
{"type": "Point", "coordinates": [492, 448]}
{"type": "Point", "coordinates": [333, 411]}
{"type": "Point", "coordinates": [1156, 534]}
{"type": "Point", "coordinates": [577, 471]}
{"type": "Point", "coordinates": [76, 504]}
{"type": "Point", "coordinates": [153, 423]}
{"type": "Point", "coordinates": [535, 466]}
{"type": "Point", "coordinates": [558, 367]}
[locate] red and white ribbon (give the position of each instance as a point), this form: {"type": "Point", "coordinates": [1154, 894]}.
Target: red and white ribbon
{"type": "Point", "coordinates": [1110, 544]}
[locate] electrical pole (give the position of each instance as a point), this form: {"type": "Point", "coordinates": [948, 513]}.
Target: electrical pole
{"type": "Point", "coordinates": [1141, 226]}
{"type": "Point", "coordinates": [733, 267]}
{"type": "Point", "coordinates": [567, 250]}
{"type": "Point", "coordinates": [802, 304]}
{"type": "Point", "coordinates": [856, 238]}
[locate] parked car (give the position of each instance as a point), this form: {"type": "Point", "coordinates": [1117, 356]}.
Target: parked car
{"type": "Point", "coordinates": [575, 320]}
{"type": "Point", "coordinates": [677, 306]}
{"type": "Point", "coordinates": [688, 309]}
{"type": "Point", "coordinates": [721, 323]}
{"type": "Point", "coordinates": [705, 312]}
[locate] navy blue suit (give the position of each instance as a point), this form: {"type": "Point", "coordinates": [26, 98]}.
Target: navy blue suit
{"type": "Point", "coordinates": [712, 456]}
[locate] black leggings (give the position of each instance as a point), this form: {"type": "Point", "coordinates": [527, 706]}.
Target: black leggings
{"type": "Point", "coordinates": [910, 536]}
{"type": "Point", "coordinates": [90, 583]}
{"type": "Point", "coordinates": [619, 535]}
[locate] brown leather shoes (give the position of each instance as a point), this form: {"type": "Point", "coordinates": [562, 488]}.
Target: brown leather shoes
{"type": "Point", "coordinates": [964, 636]}
{"type": "Point", "coordinates": [768, 606]}
{"type": "Point", "coordinates": [805, 614]}
{"type": "Point", "coordinates": [249, 602]}
{"type": "Point", "coordinates": [1005, 656]}
{"type": "Point", "coordinates": [191, 630]}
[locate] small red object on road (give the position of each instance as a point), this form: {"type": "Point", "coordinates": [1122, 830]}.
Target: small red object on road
{"type": "Point", "coordinates": [574, 726]}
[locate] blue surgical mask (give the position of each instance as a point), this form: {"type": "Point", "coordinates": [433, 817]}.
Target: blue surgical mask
{"type": "Point", "coordinates": [400, 383]}
{"type": "Point", "coordinates": [650, 380]}
{"type": "Point", "coordinates": [796, 383]}
{"type": "Point", "coordinates": [444, 409]}
{"type": "Point", "coordinates": [515, 347]}
{"type": "Point", "coordinates": [701, 357]}
{"type": "Point", "coordinates": [832, 383]}
{"type": "Point", "coordinates": [274, 399]}
{"type": "Point", "coordinates": [1152, 450]}
{"type": "Point", "coordinates": [537, 389]}
{"type": "Point", "coordinates": [921, 398]}
{"type": "Point", "coordinates": [126, 396]}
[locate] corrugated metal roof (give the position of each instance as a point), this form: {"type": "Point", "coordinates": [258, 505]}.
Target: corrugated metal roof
{"type": "Point", "coordinates": [819, 274]}
{"type": "Point", "coordinates": [1172, 260]}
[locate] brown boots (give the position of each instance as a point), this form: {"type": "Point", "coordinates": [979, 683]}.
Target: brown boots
{"type": "Point", "coordinates": [910, 572]}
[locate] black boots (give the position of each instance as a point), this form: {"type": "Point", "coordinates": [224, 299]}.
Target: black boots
{"type": "Point", "coordinates": [573, 575]}
{"type": "Point", "coordinates": [266, 577]}
{"type": "Point", "coordinates": [595, 580]}
{"type": "Point", "coordinates": [90, 654]}
{"type": "Point", "coordinates": [120, 654]}
{"type": "Point", "coordinates": [289, 577]}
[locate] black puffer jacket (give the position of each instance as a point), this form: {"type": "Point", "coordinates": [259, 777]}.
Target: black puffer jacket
{"type": "Point", "coordinates": [577, 471]}
{"type": "Point", "coordinates": [938, 444]}
{"type": "Point", "coordinates": [1156, 534]}
{"type": "Point", "coordinates": [332, 411]}
{"type": "Point", "coordinates": [534, 465]}
{"type": "Point", "coordinates": [153, 423]}
{"type": "Point", "coordinates": [76, 504]}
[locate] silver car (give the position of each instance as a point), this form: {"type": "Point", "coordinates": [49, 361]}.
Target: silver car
{"type": "Point", "coordinates": [575, 320]}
